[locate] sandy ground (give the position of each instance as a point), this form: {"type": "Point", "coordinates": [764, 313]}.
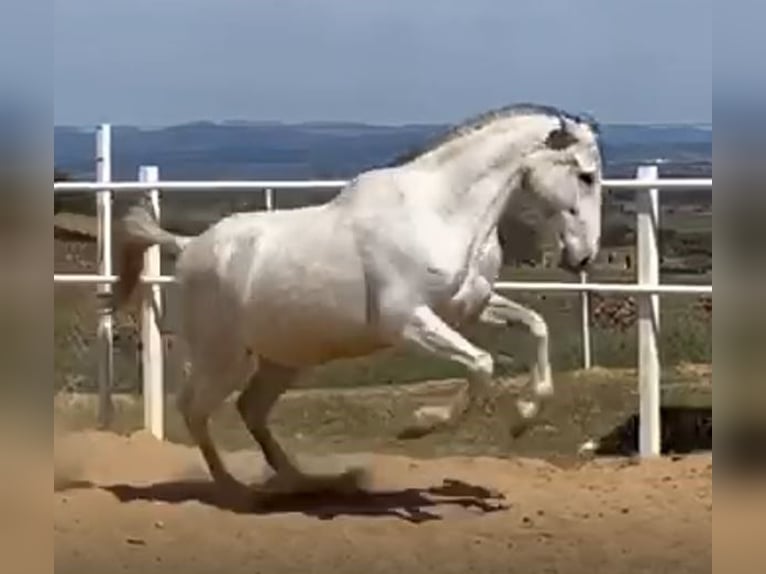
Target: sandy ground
{"type": "Point", "coordinates": [132, 504]}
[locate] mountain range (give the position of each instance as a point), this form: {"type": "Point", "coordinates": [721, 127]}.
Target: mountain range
{"type": "Point", "coordinates": [273, 150]}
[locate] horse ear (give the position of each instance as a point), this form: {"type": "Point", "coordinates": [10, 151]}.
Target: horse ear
{"type": "Point", "coordinates": [560, 138]}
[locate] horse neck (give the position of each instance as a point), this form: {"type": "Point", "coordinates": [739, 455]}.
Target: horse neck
{"type": "Point", "coordinates": [483, 170]}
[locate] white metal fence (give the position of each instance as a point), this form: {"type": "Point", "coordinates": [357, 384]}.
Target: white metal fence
{"type": "Point", "coordinates": [646, 185]}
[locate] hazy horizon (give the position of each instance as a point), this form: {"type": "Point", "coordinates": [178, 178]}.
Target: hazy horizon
{"type": "Point", "coordinates": [266, 122]}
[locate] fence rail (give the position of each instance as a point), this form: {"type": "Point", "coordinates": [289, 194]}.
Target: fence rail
{"type": "Point", "coordinates": [683, 184]}
{"type": "Point", "coordinates": [616, 288]}
{"type": "Point", "coordinates": [646, 186]}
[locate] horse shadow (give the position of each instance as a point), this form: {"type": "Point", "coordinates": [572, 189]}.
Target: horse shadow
{"type": "Point", "coordinates": [415, 505]}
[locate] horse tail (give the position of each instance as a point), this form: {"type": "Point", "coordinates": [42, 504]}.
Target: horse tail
{"type": "Point", "coordinates": [139, 230]}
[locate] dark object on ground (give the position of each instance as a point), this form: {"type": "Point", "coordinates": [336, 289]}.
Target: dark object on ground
{"type": "Point", "coordinates": [684, 430]}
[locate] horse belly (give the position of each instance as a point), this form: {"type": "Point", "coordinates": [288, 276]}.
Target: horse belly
{"type": "Point", "coordinates": [301, 313]}
{"type": "Point", "coordinates": [299, 336]}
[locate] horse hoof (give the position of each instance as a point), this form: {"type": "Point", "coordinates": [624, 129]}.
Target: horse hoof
{"type": "Point", "coordinates": [279, 483]}
{"type": "Point", "coordinates": [350, 480]}
{"type": "Point", "coordinates": [521, 428]}
{"type": "Point", "coordinates": [413, 432]}
{"type": "Point", "coordinates": [427, 420]}
{"type": "Point", "coordinates": [234, 495]}
{"type": "Point", "coordinates": [354, 479]}
{"type": "Point", "coordinates": [527, 409]}
{"type": "Point", "coordinates": [517, 431]}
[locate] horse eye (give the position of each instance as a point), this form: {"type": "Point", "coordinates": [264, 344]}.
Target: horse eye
{"type": "Point", "coordinates": [573, 211]}
{"type": "Point", "coordinates": [586, 178]}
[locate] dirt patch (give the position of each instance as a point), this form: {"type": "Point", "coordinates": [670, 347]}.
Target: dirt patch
{"type": "Point", "coordinates": [474, 499]}
{"type": "Point", "coordinates": [137, 505]}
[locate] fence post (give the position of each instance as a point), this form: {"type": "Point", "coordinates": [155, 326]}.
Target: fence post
{"type": "Point", "coordinates": [151, 313]}
{"type": "Point", "coordinates": [269, 199]}
{"type": "Point", "coordinates": [105, 328]}
{"type": "Point", "coordinates": [647, 209]}
{"type": "Point", "coordinates": [587, 361]}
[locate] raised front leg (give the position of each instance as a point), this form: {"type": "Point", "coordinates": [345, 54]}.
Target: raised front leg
{"type": "Point", "coordinates": [501, 311]}
{"type": "Point", "coordinates": [427, 332]}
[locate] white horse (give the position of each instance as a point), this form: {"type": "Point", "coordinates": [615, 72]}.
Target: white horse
{"type": "Point", "coordinates": [403, 256]}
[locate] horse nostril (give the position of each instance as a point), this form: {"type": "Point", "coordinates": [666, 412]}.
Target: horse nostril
{"type": "Point", "coordinates": [584, 262]}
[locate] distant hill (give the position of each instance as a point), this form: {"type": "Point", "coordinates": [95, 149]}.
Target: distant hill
{"type": "Point", "coordinates": [270, 150]}
{"type": "Point", "coordinates": [249, 150]}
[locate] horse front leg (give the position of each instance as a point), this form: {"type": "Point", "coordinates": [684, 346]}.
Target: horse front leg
{"type": "Point", "coordinates": [427, 332]}
{"type": "Point", "coordinates": [502, 311]}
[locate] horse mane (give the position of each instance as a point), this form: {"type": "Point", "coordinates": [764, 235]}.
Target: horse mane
{"type": "Point", "coordinates": [480, 121]}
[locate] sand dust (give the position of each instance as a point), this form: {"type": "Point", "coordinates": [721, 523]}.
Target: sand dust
{"type": "Point", "coordinates": [132, 504]}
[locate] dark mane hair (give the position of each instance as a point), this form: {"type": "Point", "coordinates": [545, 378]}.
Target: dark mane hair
{"type": "Point", "coordinates": [478, 122]}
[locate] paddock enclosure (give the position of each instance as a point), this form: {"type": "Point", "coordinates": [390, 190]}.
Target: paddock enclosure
{"type": "Point", "coordinates": [616, 476]}
{"type": "Point", "coordinates": [137, 505]}
{"type": "Point", "coordinates": [472, 500]}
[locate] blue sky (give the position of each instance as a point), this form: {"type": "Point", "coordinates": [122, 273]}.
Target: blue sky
{"type": "Point", "coordinates": [159, 62]}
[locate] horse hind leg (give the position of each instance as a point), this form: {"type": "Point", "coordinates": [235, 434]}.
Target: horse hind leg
{"type": "Point", "coordinates": [254, 405]}
{"type": "Point", "coordinates": [197, 401]}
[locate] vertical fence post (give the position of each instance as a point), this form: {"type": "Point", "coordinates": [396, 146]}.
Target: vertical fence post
{"type": "Point", "coordinates": [151, 313]}
{"type": "Point", "coordinates": [269, 199]}
{"type": "Point", "coordinates": [647, 204]}
{"type": "Point", "coordinates": [587, 359]}
{"type": "Point", "coordinates": [104, 290]}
